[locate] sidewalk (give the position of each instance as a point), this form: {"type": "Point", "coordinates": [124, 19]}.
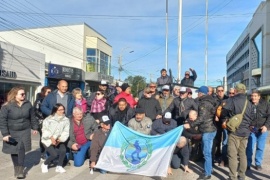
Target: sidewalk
{"type": "Point", "coordinates": [32, 163]}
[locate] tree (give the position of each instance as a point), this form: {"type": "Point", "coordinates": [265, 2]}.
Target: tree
{"type": "Point", "coordinates": [137, 84]}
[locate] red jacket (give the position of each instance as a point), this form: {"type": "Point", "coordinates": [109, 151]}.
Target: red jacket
{"type": "Point", "coordinates": [130, 100]}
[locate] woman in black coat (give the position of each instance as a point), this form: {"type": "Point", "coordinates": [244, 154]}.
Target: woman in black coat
{"type": "Point", "coordinates": [16, 119]}
{"type": "Point", "coordinates": [40, 116]}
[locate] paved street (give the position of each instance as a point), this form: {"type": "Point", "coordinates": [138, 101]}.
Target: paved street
{"type": "Point", "coordinates": [33, 163]}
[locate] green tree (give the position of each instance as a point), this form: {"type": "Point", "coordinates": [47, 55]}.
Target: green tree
{"type": "Point", "coordinates": [137, 84]}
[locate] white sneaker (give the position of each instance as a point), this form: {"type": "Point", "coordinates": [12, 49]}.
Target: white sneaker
{"type": "Point", "coordinates": [60, 169]}
{"type": "Point", "coordinates": [44, 168]}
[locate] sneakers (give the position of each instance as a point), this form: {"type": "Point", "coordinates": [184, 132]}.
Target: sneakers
{"type": "Point", "coordinates": [60, 169]}
{"type": "Point", "coordinates": [43, 157]}
{"type": "Point", "coordinates": [258, 168]}
{"type": "Point", "coordinates": [44, 168]}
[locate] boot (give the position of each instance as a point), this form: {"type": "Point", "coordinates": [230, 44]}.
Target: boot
{"type": "Point", "coordinates": [16, 171]}
{"type": "Point", "coordinates": [20, 174]}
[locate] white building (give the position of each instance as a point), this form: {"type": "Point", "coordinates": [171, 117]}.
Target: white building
{"type": "Point", "coordinates": [78, 53]}
{"type": "Point", "coordinates": [20, 67]}
{"type": "Point", "coordinates": [249, 59]}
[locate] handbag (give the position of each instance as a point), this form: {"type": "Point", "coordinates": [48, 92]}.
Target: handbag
{"type": "Point", "coordinates": [234, 122]}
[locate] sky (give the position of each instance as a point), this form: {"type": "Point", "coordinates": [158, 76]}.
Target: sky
{"type": "Point", "coordinates": [136, 31]}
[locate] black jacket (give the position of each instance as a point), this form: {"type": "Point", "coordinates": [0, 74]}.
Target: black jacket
{"type": "Point", "coordinates": [159, 127]}
{"type": "Point", "coordinates": [115, 114]}
{"type": "Point", "coordinates": [206, 114]}
{"type": "Point", "coordinates": [261, 115]}
{"type": "Point", "coordinates": [190, 80]}
{"type": "Point", "coordinates": [234, 105]}
{"type": "Point", "coordinates": [151, 106]}
{"type": "Point", "coordinates": [180, 115]}
{"type": "Point", "coordinates": [192, 131]}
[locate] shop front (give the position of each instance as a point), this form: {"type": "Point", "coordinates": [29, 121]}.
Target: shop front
{"type": "Point", "coordinates": [20, 67]}
{"type": "Point", "coordinates": [74, 76]}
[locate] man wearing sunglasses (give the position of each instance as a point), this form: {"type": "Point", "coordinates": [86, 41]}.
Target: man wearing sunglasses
{"type": "Point", "coordinates": [188, 80]}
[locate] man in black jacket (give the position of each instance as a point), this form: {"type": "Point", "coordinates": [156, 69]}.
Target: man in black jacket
{"type": "Point", "coordinates": [237, 141]}
{"type": "Point", "coordinates": [181, 106]}
{"type": "Point", "coordinates": [259, 127]}
{"type": "Point", "coordinates": [189, 80]}
{"type": "Point", "coordinates": [205, 121]}
{"type": "Point", "coordinates": [150, 105]}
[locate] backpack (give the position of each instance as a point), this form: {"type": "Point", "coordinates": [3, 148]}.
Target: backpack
{"type": "Point", "coordinates": [234, 122]}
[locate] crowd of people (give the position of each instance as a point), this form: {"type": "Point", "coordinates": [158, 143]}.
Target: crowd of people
{"type": "Point", "coordinates": [78, 127]}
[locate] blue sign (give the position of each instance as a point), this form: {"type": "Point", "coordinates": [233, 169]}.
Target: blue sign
{"type": "Point", "coordinates": [64, 72]}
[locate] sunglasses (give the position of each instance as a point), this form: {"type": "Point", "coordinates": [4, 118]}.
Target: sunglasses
{"type": "Point", "coordinates": [22, 94]}
{"type": "Point", "coordinates": [152, 86]}
{"type": "Point", "coordinates": [187, 74]}
{"type": "Point", "coordinates": [182, 92]}
{"type": "Point", "coordinates": [231, 93]}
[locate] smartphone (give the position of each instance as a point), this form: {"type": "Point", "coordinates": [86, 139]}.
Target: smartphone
{"type": "Point", "coordinates": [12, 140]}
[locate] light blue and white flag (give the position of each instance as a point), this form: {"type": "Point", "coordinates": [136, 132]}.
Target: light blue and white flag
{"type": "Point", "coordinates": [127, 151]}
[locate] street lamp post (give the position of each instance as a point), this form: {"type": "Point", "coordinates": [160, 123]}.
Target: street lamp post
{"type": "Point", "coordinates": [120, 58]}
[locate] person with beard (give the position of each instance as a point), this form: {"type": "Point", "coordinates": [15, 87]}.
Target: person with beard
{"type": "Point", "coordinates": [121, 112]}
{"type": "Point", "coordinates": [205, 121]}
{"type": "Point", "coordinates": [181, 106]}
{"type": "Point", "coordinates": [126, 94]}
{"type": "Point", "coordinates": [150, 105]}
{"type": "Point", "coordinates": [165, 99]}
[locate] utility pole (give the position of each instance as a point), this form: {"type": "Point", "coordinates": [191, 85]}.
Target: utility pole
{"type": "Point", "coordinates": [206, 43]}
{"type": "Point", "coordinates": [120, 68]}
{"type": "Point", "coordinates": [179, 40]}
{"type": "Point", "coordinates": [166, 51]}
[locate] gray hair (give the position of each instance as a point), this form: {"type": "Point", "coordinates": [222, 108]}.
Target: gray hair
{"type": "Point", "coordinates": [77, 109]}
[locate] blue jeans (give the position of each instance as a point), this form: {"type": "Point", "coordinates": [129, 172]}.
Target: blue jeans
{"type": "Point", "coordinates": [260, 139]}
{"type": "Point", "coordinates": [207, 144]}
{"type": "Point", "coordinates": [79, 156]}
{"type": "Point", "coordinates": [224, 144]}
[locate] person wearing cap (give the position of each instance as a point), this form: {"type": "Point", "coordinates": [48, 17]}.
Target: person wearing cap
{"type": "Point", "coordinates": [189, 80]}
{"type": "Point", "coordinates": [126, 93]}
{"type": "Point", "coordinates": [98, 141]}
{"type": "Point", "coordinates": [103, 86]}
{"type": "Point", "coordinates": [164, 79]}
{"type": "Point", "coordinates": [164, 125]}
{"type": "Point", "coordinates": [150, 105]}
{"type": "Point", "coordinates": [165, 98]}
{"type": "Point", "coordinates": [121, 112]}
{"type": "Point", "coordinates": [258, 127]}
{"type": "Point", "coordinates": [189, 93]}
{"type": "Point", "coordinates": [80, 135]}
{"type": "Point", "coordinates": [237, 141]}
{"type": "Point", "coordinates": [140, 122]}
{"type": "Point", "coordinates": [181, 106]}
{"type": "Point", "coordinates": [205, 122]}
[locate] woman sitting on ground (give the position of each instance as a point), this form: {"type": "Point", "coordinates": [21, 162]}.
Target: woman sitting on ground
{"type": "Point", "coordinates": [55, 132]}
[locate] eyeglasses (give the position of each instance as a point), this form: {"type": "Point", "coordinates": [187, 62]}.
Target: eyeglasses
{"type": "Point", "coordinates": [220, 90]}
{"type": "Point", "coordinates": [231, 93]}
{"type": "Point", "coordinates": [22, 94]}
{"type": "Point", "coordinates": [60, 110]}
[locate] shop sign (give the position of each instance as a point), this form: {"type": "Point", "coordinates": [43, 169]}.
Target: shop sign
{"type": "Point", "coordinates": [8, 74]}
{"type": "Point", "coordinates": [64, 72]}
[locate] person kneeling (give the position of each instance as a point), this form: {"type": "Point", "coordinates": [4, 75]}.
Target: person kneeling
{"type": "Point", "coordinates": [81, 133]}
{"type": "Point", "coordinates": [98, 141]}
{"type": "Point", "coordinates": [55, 132]}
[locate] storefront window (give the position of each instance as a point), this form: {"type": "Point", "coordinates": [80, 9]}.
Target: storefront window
{"type": "Point", "coordinates": [6, 87]}
{"type": "Point", "coordinates": [104, 63]}
{"type": "Point", "coordinates": [91, 65]}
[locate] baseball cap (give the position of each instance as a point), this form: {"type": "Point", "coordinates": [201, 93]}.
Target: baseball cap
{"type": "Point", "coordinates": [203, 89]}
{"type": "Point", "coordinates": [165, 87]}
{"type": "Point", "coordinates": [189, 90]}
{"type": "Point", "coordinates": [103, 83]}
{"type": "Point", "coordinates": [240, 87]}
{"type": "Point", "coordinates": [168, 115]}
{"type": "Point", "coordinates": [183, 89]}
{"type": "Point", "coordinates": [139, 111]}
{"type": "Point", "coordinates": [105, 119]}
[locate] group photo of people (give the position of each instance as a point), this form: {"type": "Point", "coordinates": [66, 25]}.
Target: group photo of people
{"type": "Point", "coordinates": [225, 129]}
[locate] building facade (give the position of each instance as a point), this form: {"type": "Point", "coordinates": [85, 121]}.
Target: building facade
{"type": "Point", "coordinates": [78, 53]}
{"type": "Point", "coordinates": [20, 67]}
{"type": "Point", "coordinates": [249, 59]}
